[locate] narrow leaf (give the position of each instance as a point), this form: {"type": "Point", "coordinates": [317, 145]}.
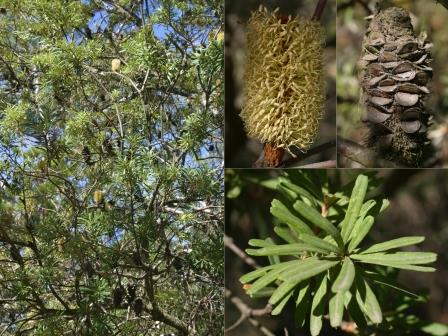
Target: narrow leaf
{"type": "Point", "coordinates": [298, 177]}
{"type": "Point", "coordinates": [279, 210]}
{"type": "Point", "coordinates": [266, 279]}
{"type": "Point", "coordinates": [274, 259]}
{"type": "Point", "coordinates": [360, 231]}
{"type": "Point", "coordinates": [318, 307]}
{"type": "Point", "coordinates": [302, 292]}
{"type": "Point", "coordinates": [260, 242]}
{"type": "Point", "coordinates": [249, 277]}
{"type": "Point", "coordinates": [336, 309]}
{"type": "Point", "coordinates": [286, 249]}
{"type": "Point", "coordinates": [368, 302]}
{"type": "Point", "coordinates": [302, 304]}
{"type": "Point", "coordinates": [354, 206]}
{"type": "Point", "coordinates": [297, 189]}
{"type": "Point", "coordinates": [393, 244]}
{"type": "Point", "coordinates": [282, 290]}
{"type": "Point", "coordinates": [319, 243]}
{"type": "Point", "coordinates": [265, 292]}
{"type": "Point", "coordinates": [345, 277]}
{"type": "Point", "coordinates": [306, 269]}
{"type": "Point", "coordinates": [405, 258]}
{"type": "Point", "coordinates": [365, 208]}
{"type": "Point", "coordinates": [286, 234]}
{"type": "Point", "coordinates": [384, 205]}
{"type": "Point", "coordinates": [355, 311]}
{"type": "Point", "coordinates": [409, 267]}
{"type": "Point", "coordinates": [286, 194]}
{"type": "Point", "coordinates": [317, 219]}
{"type": "Point", "coordinates": [434, 328]}
{"type": "Point", "coordinates": [278, 309]}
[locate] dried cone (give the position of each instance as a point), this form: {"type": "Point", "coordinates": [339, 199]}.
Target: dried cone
{"type": "Point", "coordinates": [284, 80]}
{"type": "Point", "coordinates": [394, 73]}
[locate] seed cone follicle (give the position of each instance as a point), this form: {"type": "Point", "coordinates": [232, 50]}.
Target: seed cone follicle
{"type": "Point", "coordinates": [394, 74]}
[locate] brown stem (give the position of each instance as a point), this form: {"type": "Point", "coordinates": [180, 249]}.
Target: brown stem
{"type": "Point", "coordinates": [322, 164]}
{"type": "Point", "coordinates": [228, 242]}
{"type": "Point", "coordinates": [248, 313]}
{"type": "Point", "coordinates": [273, 156]}
{"type": "Point", "coordinates": [363, 156]}
{"type": "Point", "coordinates": [319, 10]}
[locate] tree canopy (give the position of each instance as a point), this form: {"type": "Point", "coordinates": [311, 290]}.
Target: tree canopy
{"type": "Point", "coordinates": [111, 188]}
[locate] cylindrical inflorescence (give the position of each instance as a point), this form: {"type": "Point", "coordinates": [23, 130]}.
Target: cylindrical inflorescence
{"type": "Point", "coordinates": [284, 79]}
{"type": "Point", "coordinates": [394, 73]}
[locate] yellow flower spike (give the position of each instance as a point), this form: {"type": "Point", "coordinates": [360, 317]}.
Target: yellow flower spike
{"type": "Point", "coordinates": [98, 196]}
{"type": "Point", "coordinates": [220, 36]}
{"type": "Point", "coordinates": [284, 80]}
{"type": "Point", "coordinates": [116, 64]}
{"type": "Point", "coordinates": [60, 244]}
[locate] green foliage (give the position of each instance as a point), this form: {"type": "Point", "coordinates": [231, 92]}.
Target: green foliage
{"type": "Point", "coordinates": [322, 253]}
{"type": "Point", "coordinates": [147, 137]}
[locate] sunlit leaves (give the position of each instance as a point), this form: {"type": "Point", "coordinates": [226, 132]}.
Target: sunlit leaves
{"type": "Point", "coordinates": [141, 135]}
{"type": "Point", "coordinates": [12, 118]}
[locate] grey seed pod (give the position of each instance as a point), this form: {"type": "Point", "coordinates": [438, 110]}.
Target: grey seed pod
{"type": "Point", "coordinates": [138, 306]}
{"type": "Point", "coordinates": [394, 72]}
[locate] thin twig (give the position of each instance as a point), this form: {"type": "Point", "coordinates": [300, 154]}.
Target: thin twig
{"type": "Point", "coordinates": [245, 309]}
{"type": "Point", "coordinates": [301, 156]}
{"type": "Point", "coordinates": [364, 156]}
{"type": "Point", "coordinates": [248, 313]}
{"type": "Point", "coordinates": [228, 242]}
{"type": "Point", "coordinates": [319, 10]}
{"type": "Point", "coordinates": [323, 164]}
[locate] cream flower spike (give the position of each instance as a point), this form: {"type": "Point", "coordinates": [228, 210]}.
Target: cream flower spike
{"type": "Point", "coordinates": [284, 79]}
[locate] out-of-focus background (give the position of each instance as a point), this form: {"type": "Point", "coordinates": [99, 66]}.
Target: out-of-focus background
{"type": "Point", "coordinates": [426, 15]}
{"type": "Point", "coordinates": [241, 151]}
{"type": "Point", "coordinates": [418, 206]}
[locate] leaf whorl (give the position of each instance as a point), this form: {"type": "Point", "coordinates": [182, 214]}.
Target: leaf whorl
{"type": "Point", "coordinates": [394, 73]}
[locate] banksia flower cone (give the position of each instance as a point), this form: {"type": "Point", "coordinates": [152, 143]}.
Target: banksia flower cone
{"type": "Point", "coordinates": [284, 80]}
{"type": "Point", "coordinates": [394, 72]}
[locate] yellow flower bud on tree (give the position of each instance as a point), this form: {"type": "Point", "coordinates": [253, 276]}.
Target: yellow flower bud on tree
{"type": "Point", "coordinates": [116, 63]}
{"type": "Point", "coordinates": [98, 196]}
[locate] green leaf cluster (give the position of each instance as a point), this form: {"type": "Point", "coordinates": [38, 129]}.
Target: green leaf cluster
{"type": "Point", "coordinates": [321, 266]}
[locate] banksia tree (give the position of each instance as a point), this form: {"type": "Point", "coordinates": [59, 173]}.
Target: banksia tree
{"type": "Point", "coordinates": [394, 73]}
{"type": "Point", "coordinates": [108, 112]}
{"type": "Point", "coordinates": [284, 82]}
